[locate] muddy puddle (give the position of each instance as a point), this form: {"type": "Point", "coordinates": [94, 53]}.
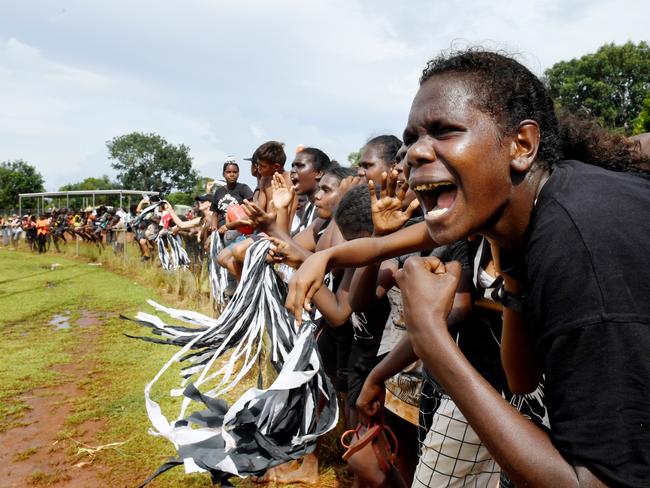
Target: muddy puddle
{"type": "Point", "coordinates": [60, 321]}
{"type": "Point", "coordinates": [86, 318]}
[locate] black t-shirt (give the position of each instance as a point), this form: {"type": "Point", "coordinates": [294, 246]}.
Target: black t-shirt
{"type": "Point", "coordinates": [588, 271]}
{"type": "Point", "coordinates": [369, 326]}
{"type": "Point", "coordinates": [223, 198]}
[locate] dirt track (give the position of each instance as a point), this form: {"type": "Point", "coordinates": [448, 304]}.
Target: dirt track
{"type": "Point", "coordinates": [42, 450]}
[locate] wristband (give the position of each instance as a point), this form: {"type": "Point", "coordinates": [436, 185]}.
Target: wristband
{"type": "Point", "coordinates": [516, 303]}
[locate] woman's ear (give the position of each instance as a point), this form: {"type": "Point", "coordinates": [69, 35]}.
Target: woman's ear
{"type": "Point", "coordinates": [524, 146]}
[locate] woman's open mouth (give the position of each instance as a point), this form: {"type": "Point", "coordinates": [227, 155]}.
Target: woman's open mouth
{"type": "Point", "coordinates": [437, 197]}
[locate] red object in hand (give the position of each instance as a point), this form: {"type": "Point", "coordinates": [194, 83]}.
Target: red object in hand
{"type": "Point", "coordinates": [235, 213]}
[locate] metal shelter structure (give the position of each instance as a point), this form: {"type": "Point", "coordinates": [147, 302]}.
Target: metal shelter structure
{"type": "Point", "coordinates": [76, 193]}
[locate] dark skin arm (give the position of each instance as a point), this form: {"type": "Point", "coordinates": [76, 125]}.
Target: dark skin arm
{"type": "Point", "coordinates": [371, 398]}
{"type": "Point", "coordinates": [335, 307]}
{"type": "Point", "coordinates": [370, 284]}
{"type": "Point", "coordinates": [352, 254]}
{"type": "Point", "coordinates": [518, 354]}
{"type": "Point", "coordinates": [387, 218]}
{"type": "Point", "coordinates": [521, 448]}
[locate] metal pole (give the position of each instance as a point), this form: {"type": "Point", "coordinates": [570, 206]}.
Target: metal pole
{"type": "Point", "coordinates": [120, 199]}
{"type": "Point", "coordinates": [93, 199]}
{"type": "Point", "coordinates": [20, 206]}
{"type": "Point", "coordinates": [67, 201]}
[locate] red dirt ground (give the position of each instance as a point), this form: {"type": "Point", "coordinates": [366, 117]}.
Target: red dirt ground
{"type": "Point", "coordinates": [41, 451]}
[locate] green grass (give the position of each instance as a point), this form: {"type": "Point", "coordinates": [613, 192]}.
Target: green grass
{"type": "Point", "coordinates": [31, 293]}
{"type": "Point", "coordinates": [30, 348]}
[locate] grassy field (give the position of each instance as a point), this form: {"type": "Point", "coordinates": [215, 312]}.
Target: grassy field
{"type": "Point", "coordinates": [48, 343]}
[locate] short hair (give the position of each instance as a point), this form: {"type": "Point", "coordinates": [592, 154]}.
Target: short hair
{"type": "Point", "coordinates": [230, 163]}
{"type": "Point", "coordinates": [321, 161]}
{"type": "Point", "coordinates": [353, 214]}
{"type": "Point", "coordinates": [388, 146]}
{"type": "Point", "coordinates": [271, 151]}
{"type": "Point", "coordinates": [340, 172]}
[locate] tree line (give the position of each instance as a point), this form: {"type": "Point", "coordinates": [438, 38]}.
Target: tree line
{"type": "Point", "coordinates": [612, 85]}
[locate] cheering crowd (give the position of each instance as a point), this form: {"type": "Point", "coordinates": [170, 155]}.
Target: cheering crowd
{"type": "Point", "coordinates": [480, 288]}
{"type": "Point", "coordinates": [518, 283]}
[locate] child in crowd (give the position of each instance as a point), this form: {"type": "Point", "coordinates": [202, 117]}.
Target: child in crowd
{"type": "Point", "coordinates": [267, 160]}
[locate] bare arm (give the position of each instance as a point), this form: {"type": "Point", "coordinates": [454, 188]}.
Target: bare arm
{"type": "Point", "coordinates": [371, 283]}
{"type": "Point", "coordinates": [352, 254]}
{"type": "Point", "coordinates": [518, 354]}
{"type": "Point", "coordinates": [141, 204]}
{"type": "Point", "coordinates": [183, 224]}
{"type": "Point", "coordinates": [521, 448]}
{"type": "Point", "coordinates": [335, 307]}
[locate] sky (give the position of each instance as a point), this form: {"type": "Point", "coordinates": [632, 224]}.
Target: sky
{"type": "Point", "coordinates": [224, 76]}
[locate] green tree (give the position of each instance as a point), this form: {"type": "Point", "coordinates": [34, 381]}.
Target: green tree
{"type": "Point", "coordinates": [103, 183]}
{"type": "Point", "coordinates": [354, 158]}
{"type": "Point", "coordinates": [149, 162]}
{"type": "Point", "coordinates": [92, 183]}
{"type": "Point", "coordinates": [642, 122]}
{"type": "Point", "coordinates": [610, 84]}
{"type": "Point", "coordinates": [187, 198]}
{"type": "Point", "coordinates": [18, 177]}
{"type": "Point", "coordinates": [180, 198]}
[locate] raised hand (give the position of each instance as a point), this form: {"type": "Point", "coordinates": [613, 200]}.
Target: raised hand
{"type": "Point", "coordinates": [387, 213]}
{"type": "Point", "coordinates": [259, 219]}
{"type": "Point", "coordinates": [282, 196]}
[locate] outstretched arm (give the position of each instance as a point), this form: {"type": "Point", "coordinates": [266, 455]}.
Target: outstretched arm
{"type": "Point", "coordinates": [352, 254]}
{"type": "Point", "coordinates": [182, 224]}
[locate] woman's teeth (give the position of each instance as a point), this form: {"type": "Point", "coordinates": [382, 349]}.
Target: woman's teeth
{"type": "Point", "coordinates": [431, 186]}
{"type": "Point", "coordinates": [437, 212]}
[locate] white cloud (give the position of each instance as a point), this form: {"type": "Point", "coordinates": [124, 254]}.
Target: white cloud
{"type": "Point", "coordinates": [222, 77]}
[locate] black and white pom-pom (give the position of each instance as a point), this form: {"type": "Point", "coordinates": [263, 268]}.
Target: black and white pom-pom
{"type": "Point", "coordinates": [217, 274]}
{"type": "Point", "coordinates": [265, 426]}
{"type": "Point", "coordinates": [171, 252]}
{"type": "Point", "coordinates": [146, 211]}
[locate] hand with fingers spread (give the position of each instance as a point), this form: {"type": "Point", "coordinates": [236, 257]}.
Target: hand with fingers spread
{"type": "Point", "coordinates": [286, 252]}
{"type": "Point", "coordinates": [387, 213]}
{"type": "Point", "coordinates": [428, 288]}
{"type": "Point", "coordinates": [305, 282]}
{"type": "Point", "coordinates": [258, 218]}
{"type": "Point", "coordinates": [282, 196]}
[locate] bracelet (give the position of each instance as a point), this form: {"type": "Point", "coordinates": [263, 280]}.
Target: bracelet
{"type": "Point", "coordinates": [516, 303]}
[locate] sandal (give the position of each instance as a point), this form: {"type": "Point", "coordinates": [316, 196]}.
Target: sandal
{"type": "Point", "coordinates": [370, 452]}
